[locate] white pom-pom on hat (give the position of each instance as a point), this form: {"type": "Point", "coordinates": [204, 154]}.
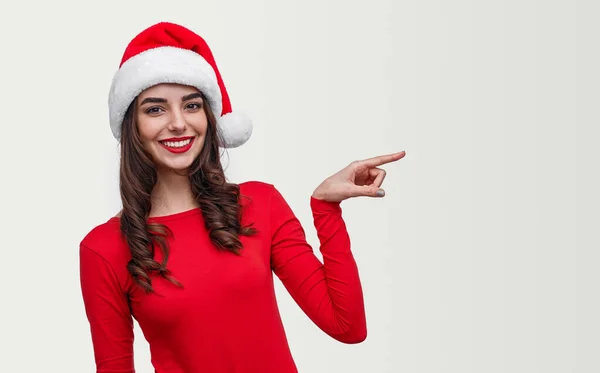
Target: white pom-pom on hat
{"type": "Point", "coordinates": [236, 129]}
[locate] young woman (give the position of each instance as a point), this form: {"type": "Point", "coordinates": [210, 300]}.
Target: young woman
{"type": "Point", "coordinates": [191, 256]}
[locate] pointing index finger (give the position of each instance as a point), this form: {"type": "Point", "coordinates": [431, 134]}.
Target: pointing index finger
{"type": "Point", "coordinates": [383, 159]}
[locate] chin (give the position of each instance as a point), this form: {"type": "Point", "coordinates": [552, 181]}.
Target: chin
{"type": "Point", "coordinates": [179, 165]}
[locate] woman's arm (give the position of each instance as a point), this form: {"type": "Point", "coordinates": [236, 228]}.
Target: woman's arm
{"type": "Point", "coordinates": [107, 310]}
{"type": "Point", "coordinates": [329, 293]}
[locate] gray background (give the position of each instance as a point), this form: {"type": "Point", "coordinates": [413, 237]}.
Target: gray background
{"type": "Point", "coordinates": [483, 257]}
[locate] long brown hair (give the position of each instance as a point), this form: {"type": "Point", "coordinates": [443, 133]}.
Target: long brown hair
{"type": "Point", "coordinates": [218, 199]}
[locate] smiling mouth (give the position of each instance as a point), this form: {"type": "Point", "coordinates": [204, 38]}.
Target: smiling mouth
{"type": "Point", "coordinates": [176, 144]}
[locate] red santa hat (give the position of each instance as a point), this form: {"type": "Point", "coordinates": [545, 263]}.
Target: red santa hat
{"type": "Point", "coordinates": [170, 53]}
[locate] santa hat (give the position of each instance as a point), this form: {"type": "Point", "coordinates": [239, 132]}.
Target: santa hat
{"type": "Point", "coordinates": [170, 53]}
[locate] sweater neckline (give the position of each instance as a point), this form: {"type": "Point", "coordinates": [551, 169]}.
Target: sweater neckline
{"type": "Point", "coordinates": [163, 218]}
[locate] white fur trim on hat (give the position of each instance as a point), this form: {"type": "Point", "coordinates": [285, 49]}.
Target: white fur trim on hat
{"type": "Point", "coordinates": [162, 65]}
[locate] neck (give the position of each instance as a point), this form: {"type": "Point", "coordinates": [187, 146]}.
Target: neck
{"type": "Point", "coordinates": [172, 194]}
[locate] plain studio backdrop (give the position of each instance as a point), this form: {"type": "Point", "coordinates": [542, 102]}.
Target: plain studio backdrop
{"type": "Point", "coordinates": [483, 256]}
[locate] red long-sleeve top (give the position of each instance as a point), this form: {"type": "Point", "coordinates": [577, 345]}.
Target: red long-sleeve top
{"type": "Point", "coordinates": [225, 318]}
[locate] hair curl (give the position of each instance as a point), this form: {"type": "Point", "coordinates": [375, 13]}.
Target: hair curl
{"type": "Point", "coordinates": [217, 198]}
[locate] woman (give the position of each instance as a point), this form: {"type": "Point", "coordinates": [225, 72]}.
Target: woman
{"type": "Point", "coordinates": [191, 256]}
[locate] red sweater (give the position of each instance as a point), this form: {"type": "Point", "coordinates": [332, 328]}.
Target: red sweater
{"type": "Point", "coordinates": [225, 319]}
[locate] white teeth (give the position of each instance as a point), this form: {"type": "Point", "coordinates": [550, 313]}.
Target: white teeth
{"type": "Point", "coordinates": [176, 144]}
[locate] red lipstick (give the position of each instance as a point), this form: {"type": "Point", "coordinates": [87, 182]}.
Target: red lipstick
{"type": "Point", "coordinates": [174, 140]}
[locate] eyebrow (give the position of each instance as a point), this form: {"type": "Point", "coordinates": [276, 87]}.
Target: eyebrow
{"type": "Point", "coordinates": [162, 100]}
{"type": "Point", "coordinates": [152, 100]}
{"type": "Point", "coordinates": [191, 96]}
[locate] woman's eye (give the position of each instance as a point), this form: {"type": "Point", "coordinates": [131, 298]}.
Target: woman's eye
{"type": "Point", "coordinates": [153, 110]}
{"type": "Point", "coordinates": [194, 106]}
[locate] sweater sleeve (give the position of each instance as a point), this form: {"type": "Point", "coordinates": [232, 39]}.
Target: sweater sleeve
{"type": "Point", "coordinates": [107, 310]}
{"type": "Point", "coordinates": [328, 292]}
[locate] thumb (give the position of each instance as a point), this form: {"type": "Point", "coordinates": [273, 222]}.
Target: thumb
{"type": "Point", "coordinates": [368, 191]}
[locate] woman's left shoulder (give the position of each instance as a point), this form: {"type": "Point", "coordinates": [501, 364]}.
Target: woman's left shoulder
{"type": "Point", "coordinates": [257, 194]}
{"type": "Point", "coordinates": [256, 188]}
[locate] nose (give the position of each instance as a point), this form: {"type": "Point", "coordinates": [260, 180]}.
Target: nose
{"type": "Point", "coordinates": [178, 123]}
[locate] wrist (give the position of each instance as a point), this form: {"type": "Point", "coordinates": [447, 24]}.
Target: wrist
{"type": "Point", "coordinates": [324, 206]}
{"type": "Point", "coordinates": [319, 196]}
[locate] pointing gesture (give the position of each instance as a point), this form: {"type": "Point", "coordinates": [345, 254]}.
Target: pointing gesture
{"type": "Point", "coordinates": [358, 179]}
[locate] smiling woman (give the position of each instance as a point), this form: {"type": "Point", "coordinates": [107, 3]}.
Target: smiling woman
{"type": "Point", "coordinates": [191, 256]}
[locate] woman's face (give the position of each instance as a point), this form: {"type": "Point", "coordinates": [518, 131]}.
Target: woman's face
{"type": "Point", "coordinates": [172, 124]}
